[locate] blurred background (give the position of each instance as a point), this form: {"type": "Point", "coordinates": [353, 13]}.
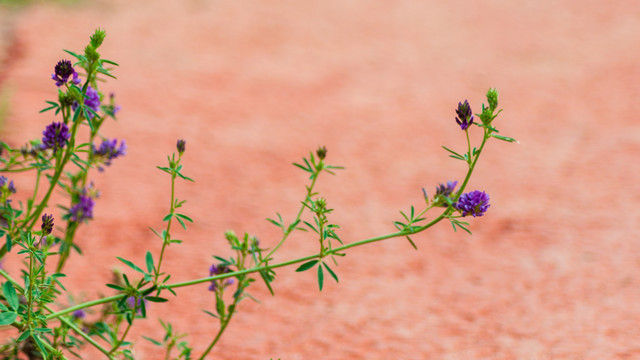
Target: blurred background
{"type": "Point", "coordinates": [551, 271]}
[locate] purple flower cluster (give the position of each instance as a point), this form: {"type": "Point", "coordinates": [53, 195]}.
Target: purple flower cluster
{"type": "Point", "coordinates": [92, 100]}
{"type": "Point", "coordinates": [217, 270]}
{"type": "Point", "coordinates": [79, 314]}
{"type": "Point", "coordinates": [82, 210]}
{"type": "Point", "coordinates": [47, 224]}
{"type": "Point", "coordinates": [446, 190]}
{"type": "Point", "coordinates": [136, 304]}
{"type": "Point", "coordinates": [465, 115]}
{"type": "Point", "coordinates": [109, 150]}
{"type": "Point", "coordinates": [473, 203]}
{"type": "Point", "coordinates": [55, 136]}
{"type": "Point", "coordinates": [6, 188]}
{"type": "Point", "coordinates": [62, 71]}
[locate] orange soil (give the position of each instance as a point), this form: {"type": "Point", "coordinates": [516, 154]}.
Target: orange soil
{"type": "Point", "coordinates": [552, 270]}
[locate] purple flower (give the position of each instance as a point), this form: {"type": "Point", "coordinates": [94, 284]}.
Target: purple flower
{"type": "Point", "coordinates": [47, 224]}
{"type": "Point", "coordinates": [7, 185]}
{"type": "Point", "coordinates": [92, 100]}
{"type": "Point", "coordinates": [79, 314]}
{"type": "Point", "coordinates": [473, 203]}
{"type": "Point", "coordinates": [217, 270]}
{"type": "Point", "coordinates": [465, 116]}
{"type": "Point", "coordinates": [443, 192]}
{"type": "Point", "coordinates": [55, 136]}
{"type": "Point", "coordinates": [109, 150]}
{"type": "Point", "coordinates": [136, 304]}
{"type": "Point", "coordinates": [82, 210]}
{"type": "Point", "coordinates": [446, 190]}
{"type": "Point", "coordinates": [63, 70]}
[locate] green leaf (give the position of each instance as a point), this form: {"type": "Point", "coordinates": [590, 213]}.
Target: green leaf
{"type": "Point", "coordinates": [156, 299]}
{"type": "Point", "coordinates": [149, 259]}
{"type": "Point", "coordinates": [412, 243]}
{"type": "Point", "coordinates": [504, 138]}
{"type": "Point", "coordinates": [116, 287]}
{"type": "Point", "coordinates": [320, 277]}
{"type": "Point", "coordinates": [274, 222]}
{"type": "Point", "coordinates": [9, 242]}
{"type": "Point", "coordinates": [152, 341]}
{"type": "Point", "coordinates": [184, 217]}
{"type": "Point", "coordinates": [43, 350]}
{"type": "Point", "coordinates": [109, 62]}
{"type": "Point", "coordinates": [7, 318]}
{"type": "Point", "coordinates": [306, 266]}
{"type": "Point", "coordinates": [24, 335]}
{"type": "Point", "coordinates": [130, 264]}
{"type": "Point", "coordinates": [210, 313]}
{"type": "Point", "coordinates": [169, 216]}
{"type": "Point", "coordinates": [333, 275]}
{"type": "Point", "coordinates": [10, 295]}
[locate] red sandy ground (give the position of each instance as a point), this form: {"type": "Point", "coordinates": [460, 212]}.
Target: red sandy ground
{"type": "Point", "coordinates": [552, 270]}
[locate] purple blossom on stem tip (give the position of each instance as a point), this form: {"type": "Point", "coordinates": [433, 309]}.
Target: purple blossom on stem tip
{"type": "Point", "coordinates": [62, 71]}
{"type": "Point", "coordinates": [446, 190]}
{"type": "Point", "coordinates": [473, 203]}
{"type": "Point", "coordinates": [55, 136]}
{"type": "Point", "coordinates": [82, 210]}
{"type": "Point", "coordinates": [109, 150]}
{"type": "Point", "coordinates": [181, 145]}
{"type": "Point", "coordinates": [465, 115]}
{"type": "Point", "coordinates": [47, 224]}
{"type": "Point", "coordinates": [7, 185]}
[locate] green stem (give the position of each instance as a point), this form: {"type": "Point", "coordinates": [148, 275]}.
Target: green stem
{"type": "Point", "coordinates": [124, 335]}
{"type": "Point", "coordinates": [223, 326]}
{"type": "Point", "coordinates": [289, 231]}
{"type": "Point", "coordinates": [60, 164]}
{"type": "Point", "coordinates": [472, 165]}
{"type": "Point", "coordinates": [72, 226]}
{"type": "Point", "coordinates": [167, 236]}
{"type": "Point", "coordinates": [61, 318]}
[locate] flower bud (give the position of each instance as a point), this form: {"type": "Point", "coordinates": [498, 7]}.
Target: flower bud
{"type": "Point", "coordinates": [321, 152]}
{"type": "Point", "coordinates": [492, 98]}
{"type": "Point", "coordinates": [47, 224]}
{"type": "Point", "coordinates": [181, 146]}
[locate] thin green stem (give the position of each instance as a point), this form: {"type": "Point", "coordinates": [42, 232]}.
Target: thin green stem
{"type": "Point", "coordinates": [124, 335]}
{"type": "Point", "coordinates": [61, 318]}
{"type": "Point", "coordinates": [472, 165]}
{"type": "Point", "coordinates": [85, 305]}
{"type": "Point", "coordinates": [289, 231]}
{"type": "Point", "coordinates": [167, 236]}
{"type": "Point", "coordinates": [223, 327]}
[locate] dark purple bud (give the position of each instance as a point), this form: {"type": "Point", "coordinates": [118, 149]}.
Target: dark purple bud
{"type": "Point", "coordinates": [473, 203]}
{"type": "Point", "coordinates": [55, 136]}
{"type": "Point", "coordinates": [465, 115]}
{"type": "Point", "coordinates": [181, 145]}
{"type": "Point", "coordinates": [47, 224]}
